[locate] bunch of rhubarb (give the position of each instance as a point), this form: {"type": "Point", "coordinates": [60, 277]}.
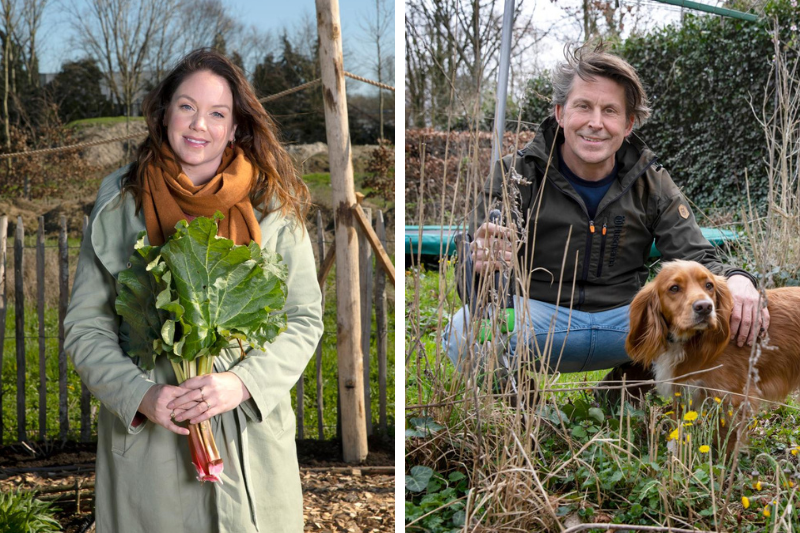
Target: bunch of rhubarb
{"type": "Point", "coordinates": [190, 299]}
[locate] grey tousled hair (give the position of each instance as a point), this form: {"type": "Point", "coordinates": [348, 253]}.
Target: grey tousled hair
{"type": "Point", "coordinates": [590, 61]}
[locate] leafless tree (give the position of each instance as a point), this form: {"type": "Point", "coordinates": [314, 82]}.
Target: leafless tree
{"type": "Point", "coordinates": [125, 37]}
{"type": "Point", "coordinates": [10, 19]}
{"type": "Point", "coordinates": [378, 28]}
{"type": "Point", "coordinates": [452, 50]}
{"type": "Point", "coordinates": [608, 19]}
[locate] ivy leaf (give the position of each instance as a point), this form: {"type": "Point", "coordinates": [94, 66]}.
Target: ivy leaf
{"type": "Point", "coordinates": [419, 478]}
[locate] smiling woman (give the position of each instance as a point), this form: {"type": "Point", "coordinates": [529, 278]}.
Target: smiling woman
{"type": "Point", "coordinates": [200, 124]}
{"type": "Point", "coordinates": [211, 147]}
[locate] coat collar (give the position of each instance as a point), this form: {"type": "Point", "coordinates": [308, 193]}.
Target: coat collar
{"type": "Point", "coordinates": [633, 157]}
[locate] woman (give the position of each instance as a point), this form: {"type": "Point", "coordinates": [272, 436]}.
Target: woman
{"type": "Point", "coordinates": [211, 146]}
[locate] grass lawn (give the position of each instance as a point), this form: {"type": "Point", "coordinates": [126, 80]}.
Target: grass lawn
{"type": "Point", "coordinates": [102, 121]}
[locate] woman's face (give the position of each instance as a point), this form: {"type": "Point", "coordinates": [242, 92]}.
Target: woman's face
{"type": "Point", "coordinates": [199, 121]}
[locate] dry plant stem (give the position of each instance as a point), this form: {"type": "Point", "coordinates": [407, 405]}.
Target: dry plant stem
{"type": "Point", "coordinates": [539, 485]}
{"type": "Point", "coordinates": [625, 527]}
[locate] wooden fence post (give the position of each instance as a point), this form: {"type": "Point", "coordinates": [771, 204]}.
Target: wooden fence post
{"type": "Point", "coordinates": [63, 300]}
{"type": "Point", "coordinates": [365, 277]}
{"type": "Point", "coordinates": [382, 321]}
{"type": "Point", "coordinates": [40, 313]}
{"type": "Point", "coordinates": [348, 338]}
{"type": "Point", "coordinates": [19, 326]}
{"type": "Point", "coordinates": [86, 413]}
{"type": "Point", "coordinates": [320, 405]}
{"type": "Point", "coordinates": [3, 294]}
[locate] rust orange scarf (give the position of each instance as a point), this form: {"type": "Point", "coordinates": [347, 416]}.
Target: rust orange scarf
{"type": "Point", "coordinates": [169, 196]}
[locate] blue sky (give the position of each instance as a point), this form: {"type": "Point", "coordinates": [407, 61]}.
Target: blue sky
{"type": "Point", "coordinates": [270, 15]}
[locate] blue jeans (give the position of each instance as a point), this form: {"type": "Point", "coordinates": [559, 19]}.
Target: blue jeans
{"type": "Point", "coordinates": [590, 341]}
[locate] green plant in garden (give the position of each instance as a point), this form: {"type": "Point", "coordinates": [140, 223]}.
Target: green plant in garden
{"type": "Point", "coordinates": [20, 512]}
{"type": "Point", "coordinates": [431, 491]}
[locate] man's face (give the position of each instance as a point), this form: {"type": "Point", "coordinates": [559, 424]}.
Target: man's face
{"type": "Point", "coordinates": [595, 124]}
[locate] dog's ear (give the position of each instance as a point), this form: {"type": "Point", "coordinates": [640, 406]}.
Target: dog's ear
{"type": "Point", "coordinates": [647, 337]}
{"type": "Point", "coordinates": [713, 341]}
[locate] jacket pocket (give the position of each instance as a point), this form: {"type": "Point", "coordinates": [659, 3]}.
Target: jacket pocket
{"type": "Point", "coordinates": [281, 418]}
{"type": "Point", "coordinates": [121, 440]}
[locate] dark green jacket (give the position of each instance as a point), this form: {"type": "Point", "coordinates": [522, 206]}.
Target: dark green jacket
{"type": "Point", "coordinates": [605, 257]}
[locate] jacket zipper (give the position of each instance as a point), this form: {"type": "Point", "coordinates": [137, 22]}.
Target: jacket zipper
{"type": "Point", "coordinates": [602, 249]}
{"type": "Point", "coordinates": [585, 273]}
{"type": "Point", "coordinates": [586, 256]}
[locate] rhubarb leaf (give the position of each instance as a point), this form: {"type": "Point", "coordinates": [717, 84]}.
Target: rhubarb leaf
{"type": "Point", "coordinates": [226, 291]}
{"type": "Point", "coordinates": [136, 303]}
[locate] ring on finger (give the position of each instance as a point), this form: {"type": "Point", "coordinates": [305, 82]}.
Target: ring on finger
{"type": "Point", "coordinates": [207, 406]}
{"type": "Point", "coordinates": [172, 414]}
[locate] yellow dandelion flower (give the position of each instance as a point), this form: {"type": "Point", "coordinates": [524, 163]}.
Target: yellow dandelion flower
{"type": "Point", "coordinates": [690, 415]}
{"type": "Point", "coordinates": [705, 448]}
{"type": "Point", "coordinates": [745, 502]}
{"type": "Point", "coordinates": [718, 400]}
{"type": "Point", "coordinates": [757, 485]}
{"type": "Point", "coordinates": [766, 512]}
{"type": "Point", "coordinates": [677, 394]}
{"type": "Point", "coordinates": [674, 434]}
{"type": "Point", "coordinates": [730, 412]}
{"type": "Point", "coordinates": [688, 438]}
{"type": "Point", "coordinates": [791, 484]}
{"type": "Point", "coordinates": [794, 451]}
{"type": "Point", "coordinates": [722, 422]}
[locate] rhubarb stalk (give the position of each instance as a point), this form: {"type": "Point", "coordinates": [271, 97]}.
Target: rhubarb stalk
{"type": "Point", "coordinates": [205, 455]}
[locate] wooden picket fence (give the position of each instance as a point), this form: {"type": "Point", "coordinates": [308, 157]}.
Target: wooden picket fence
{"type": "Point", "coordinates": [373, 294]}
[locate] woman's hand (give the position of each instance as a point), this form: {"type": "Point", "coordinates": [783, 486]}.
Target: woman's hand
{"type": "Point", "coordinates": [207, 396]}
{"type": "Point", "coordinates": [155, 406]}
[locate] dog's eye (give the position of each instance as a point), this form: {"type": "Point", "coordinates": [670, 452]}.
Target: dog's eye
{"type": "Point", "coordinates": [709, 285]}
{"type": "Point", "coordinates": [674, 288]}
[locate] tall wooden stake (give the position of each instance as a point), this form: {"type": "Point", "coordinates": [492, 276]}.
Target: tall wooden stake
{"type": "Point", "coordinates": [348, 308]}
{"type": "Point", "coordinates": [3, 294]}
{"type": "Point", "coordinates": [19, 326]}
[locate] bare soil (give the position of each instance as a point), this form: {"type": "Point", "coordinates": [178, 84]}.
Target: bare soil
{"type": "Point", "coordinates": [337, 496]}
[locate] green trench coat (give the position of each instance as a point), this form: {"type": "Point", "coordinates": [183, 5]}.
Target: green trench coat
{"type": "Point", "coordinates": [145, 480]}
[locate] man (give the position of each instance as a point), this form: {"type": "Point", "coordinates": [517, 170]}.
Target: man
{"type": "Point", "coordinates": [593, 200]}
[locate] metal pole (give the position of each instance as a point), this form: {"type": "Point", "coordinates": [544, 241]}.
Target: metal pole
{"type": "Point", "coordinates": [711, 9]}
{"type": "Point", "coordinates": [502, 82]}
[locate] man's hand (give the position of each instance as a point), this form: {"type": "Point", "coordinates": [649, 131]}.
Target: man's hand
{"type": "Point", "coordinates": [747, 318]}
{"type": "Point", "coordinates": [493, 247]}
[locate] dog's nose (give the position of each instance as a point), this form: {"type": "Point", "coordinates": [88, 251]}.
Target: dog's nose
{"type": "Point", "coordinates": [703, 307]}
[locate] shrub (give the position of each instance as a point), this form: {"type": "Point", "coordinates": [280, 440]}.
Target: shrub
{"type": "Point", "coordinates": [20, 512]}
